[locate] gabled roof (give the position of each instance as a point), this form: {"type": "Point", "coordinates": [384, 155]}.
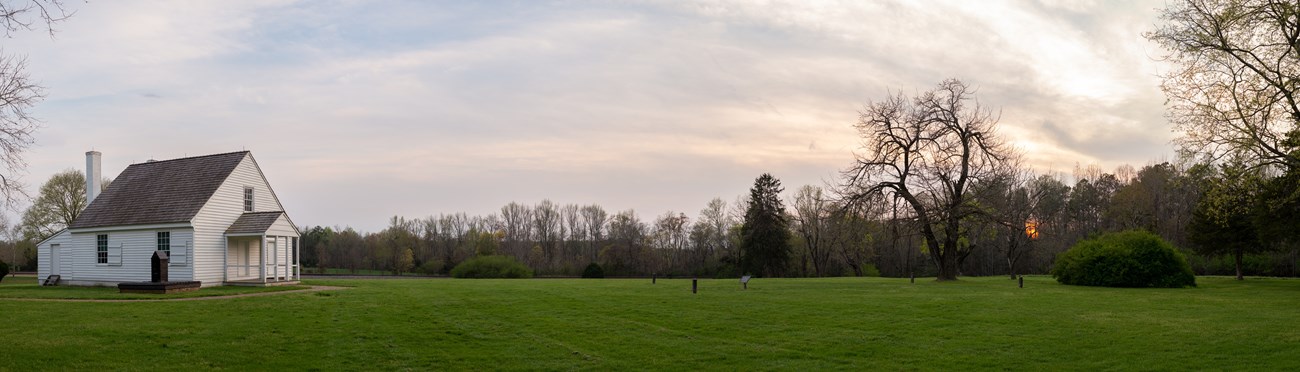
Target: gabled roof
{"type": "Point", "coordinates": [156, 192]}
{"type": "Point", "coordinates": [253, 222]}
{"type": "Point", "coordinates": [51, 237]}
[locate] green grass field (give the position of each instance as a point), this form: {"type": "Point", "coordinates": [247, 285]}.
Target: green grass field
{"type": "Point", "coordinates": [28, 287]}
{"type": "Point", "coordinates": [782, 324]}
{"type": "Point", "coordinates": [334, 271]}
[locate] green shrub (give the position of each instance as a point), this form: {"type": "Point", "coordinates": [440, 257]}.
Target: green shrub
{"type": "Point", "coordinates": [870, 270]}
{"type": "Point", "coordinates": [4, 270]}
{"type": "Point", "coordinates": [1132, 258]}
{"type": "Point", "coordinates": [491, 267]}
{"type": "Point", "coordinates": [593, 271]}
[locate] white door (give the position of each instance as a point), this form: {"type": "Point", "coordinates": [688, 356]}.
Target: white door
{"type": "Point", "coordinates": [248, 247]}
{"type": "Point", "coordinates": [54, 259]}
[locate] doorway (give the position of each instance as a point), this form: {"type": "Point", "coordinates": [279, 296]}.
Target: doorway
{"type": "Point", "coordinates": [54, 259]}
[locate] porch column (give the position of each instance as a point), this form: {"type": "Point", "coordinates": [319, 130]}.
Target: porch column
{"type": "Point", "coordinates": [225, 259]}
{"type": "Point", "coordinates": [275, 260]}
{"type": "Point", "coordinates": [281, 246]}
{"type": "Point", "coordinates": [261, 259]}
{"type": "Point", "coordinates": [297, 260]}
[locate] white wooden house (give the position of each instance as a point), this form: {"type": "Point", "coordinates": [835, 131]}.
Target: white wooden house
{"type": "Point", "coordinates": [216, 215]}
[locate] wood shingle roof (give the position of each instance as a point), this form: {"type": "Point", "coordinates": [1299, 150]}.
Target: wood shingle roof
{"type": "Point", "coordinates": [253, 222]}
{"type": "Point", "coordinates": [156, 192]}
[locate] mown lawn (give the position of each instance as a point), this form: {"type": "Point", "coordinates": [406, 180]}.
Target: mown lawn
{"type": "Point", "coordinates": [781, 324]}
{"type": "Point", "coordinates": [28, 287]}
{"type": "Point", "coordinates": [334, 271]}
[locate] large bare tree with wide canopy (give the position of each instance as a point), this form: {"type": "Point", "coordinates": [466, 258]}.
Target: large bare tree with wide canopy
{"type": "Point", "coordinates": [928, 150]}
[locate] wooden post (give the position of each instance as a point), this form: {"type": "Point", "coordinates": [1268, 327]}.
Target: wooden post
{"type": "Point", "coordinates": [261, 258]}
{"type": "Point", "coordinates": [912, 276]}
{"type": "Point", "coordinates": [654, 277]}
{"type": "Point", "coordinates": [694, 285]}
{"type": "Point", "coordinates": [1022, 281]}
{"type": "Point", "coordinates": [275, 260]}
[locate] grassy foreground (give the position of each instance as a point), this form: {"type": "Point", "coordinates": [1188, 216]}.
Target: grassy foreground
{"type": "Point", "coordinates": [784, 324]}
{"type": "Point", "coordinates": [29, 288]}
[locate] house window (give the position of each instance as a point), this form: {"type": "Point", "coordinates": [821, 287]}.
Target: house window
{"type": "Point", "coordinates": [248, 199]}
{"type": "Point", "coordinates": [101, 248]}
{"type": "Point", "coordinates": [165, 242]}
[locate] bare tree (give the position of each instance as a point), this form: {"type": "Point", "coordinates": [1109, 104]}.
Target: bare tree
{"type": "Point", "coordinates": [19, 93]}
{"type": "Point", "coordinates": [30, 15]}
{"type": "Point", "coordinates": [1235, 87]}
{"type": "Point", "coordinates": [547, 228]}
{"type": "Point", "coordinates": [929, 150]}
{"type": "Point", "coordinates": [711, 231]}
{"type": "Point", "coordinates": [571, 214]}
{"type": "Point", "coordinates": [594, 219]}
{"type": "Point", "coordinates": [812, 212]}
{"type": "Point", "coordinates": [850, 234]}
{"type": "Point", "coordinates": [516, 223]}
{"type": "Point", "coordinates": [1011, 202]}
{"type": "Point", "coordinates": [627, 235]}
{"type": "Point", "coordinates": [669, 236]}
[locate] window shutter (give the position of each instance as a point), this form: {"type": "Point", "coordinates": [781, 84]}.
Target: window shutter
{"type": "Point", "coordinates": [115, 255]}
{"type": "Point", "coordinates": [180, 254]}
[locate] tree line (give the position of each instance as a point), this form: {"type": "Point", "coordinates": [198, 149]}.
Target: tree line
{"type": "Point", "coordinates": [825, 235]}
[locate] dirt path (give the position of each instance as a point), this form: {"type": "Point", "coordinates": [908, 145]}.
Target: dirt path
{"type": "Point", "coordinates": [314, 288]}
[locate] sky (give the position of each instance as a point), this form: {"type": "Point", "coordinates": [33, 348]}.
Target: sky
{"type": "Point", "coordinates": [358, 111]}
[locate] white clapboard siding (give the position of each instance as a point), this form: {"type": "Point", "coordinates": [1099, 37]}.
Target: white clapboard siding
{"type": "Point", "coordinates": [129, 255]}
{"type": "Point", "coordinates": [225, 206]}
{"type": "Point", "coordinates": [43, 260]}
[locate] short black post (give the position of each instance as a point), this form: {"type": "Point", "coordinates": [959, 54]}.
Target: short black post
{"type": "Point", "coordinates": [1022, 281]}
{"type": "Point", "coordinates": [745, 285]}
{"type": "Point", "coordinates": [912, 276]}
{"type": "Point", "coordinates": [695, 286]}
{"type": "Point", "coordinates": [653, 277]}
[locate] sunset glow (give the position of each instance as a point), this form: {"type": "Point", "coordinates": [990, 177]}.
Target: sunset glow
{"type": "Point", "coordinates": [610, 103]}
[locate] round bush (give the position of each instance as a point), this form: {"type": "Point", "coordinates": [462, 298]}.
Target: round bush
{"type": "Point", "coordinates": [491, 267]}
{"type": "Point", "coordinates": [1125, 259]}
{"type": "Point", "coordinates": [593, 271]}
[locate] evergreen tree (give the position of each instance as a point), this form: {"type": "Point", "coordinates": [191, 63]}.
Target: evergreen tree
{"type": "Point", "coordinates": [1221, 222]}
{"type": "Point", "coordinates": [1277, 215]}
{"type": "Point", "coordinates": [765, 235]}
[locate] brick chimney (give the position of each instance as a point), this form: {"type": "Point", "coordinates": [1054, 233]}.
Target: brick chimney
{"type": "Point", "coordinates": [93, 176]}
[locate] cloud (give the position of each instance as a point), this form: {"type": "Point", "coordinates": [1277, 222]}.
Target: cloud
{"type": "Point", "coordinates": [358, 111]}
